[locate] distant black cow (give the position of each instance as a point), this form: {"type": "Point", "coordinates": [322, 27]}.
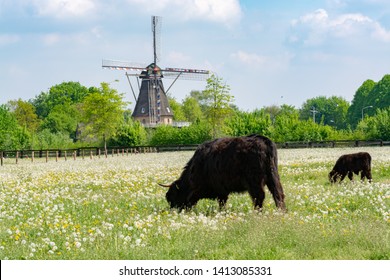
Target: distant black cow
{"type": "Point", "coordinates": [349, 164]}
{"type": "Point", "coordinates": [229, 165]}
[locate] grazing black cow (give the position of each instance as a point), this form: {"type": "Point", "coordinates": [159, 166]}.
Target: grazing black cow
{"type": "Point", "coordinates": [349, 164]}
{"type": "Point", "coordinates": [229, 165]}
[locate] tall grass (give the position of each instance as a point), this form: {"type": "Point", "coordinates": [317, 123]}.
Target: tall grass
{"type": "Point", "coordinates": [113, 209]}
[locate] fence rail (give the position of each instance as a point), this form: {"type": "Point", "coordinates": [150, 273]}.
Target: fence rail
{"type": "Point", "coordinates": [93, 152]}
{"type": "Point", "coordinates": [333, 144]}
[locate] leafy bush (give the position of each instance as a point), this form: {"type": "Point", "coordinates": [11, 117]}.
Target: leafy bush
{"type": "Point", "coordinates": [245, 123]}
{"type": "Point", "coordinates": [48, 140]}
{"type": "Point", "coordinates": [130, 133]}
{"type": "Point", "coordinates": [194, 134]}
{"type": "Point", "coordinates": [376, 127]}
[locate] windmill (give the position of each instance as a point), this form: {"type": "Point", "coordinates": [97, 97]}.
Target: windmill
{"type": "Point", "coordinates": [152, 107]}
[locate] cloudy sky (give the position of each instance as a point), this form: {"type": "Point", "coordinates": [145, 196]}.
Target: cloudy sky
{"type": "Point", "coordinates": [268, 52]}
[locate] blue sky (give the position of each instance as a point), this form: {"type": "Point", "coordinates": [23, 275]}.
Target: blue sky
{"type": "Point", "coordinates": [268, 52]}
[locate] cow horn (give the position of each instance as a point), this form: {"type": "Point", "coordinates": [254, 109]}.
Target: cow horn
{"type": "Point", "coordinates": [165, 186]}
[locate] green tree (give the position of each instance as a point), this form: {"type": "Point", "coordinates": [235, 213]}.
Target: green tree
{"type": "Point", "coordinates": [61, 94]}
{"type": "Point", "coordinates": [178, 114]}
{"type": "Point", "coordinates": [379, 96]}
{"type": "Point", "coordinates": [201, 98]}
{"type": "Point", "coordinates": [329, 111]}
{"type": "Point", "coordinates": [63, 119]}
{"type": "Point", "coordinates": [359, 101]}
{"type": "Point", "coordinates": [192, 110]}
{"type": "Point", "coordinates": [103, 112]}
{"type": "Point", "coordinates": [218, 100]}
{"type": "Point", "coordinates": [12, 136]}
{"type": "Point", "coordinates": [25, 114]}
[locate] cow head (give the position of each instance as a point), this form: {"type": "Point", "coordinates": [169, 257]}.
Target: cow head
{"type": "Point", "coordinates": [178, 196]}
{"type": "Point", "coordinates": [333, 176]}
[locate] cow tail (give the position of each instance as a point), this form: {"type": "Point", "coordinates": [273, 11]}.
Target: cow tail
{"type": "Point", "coordinates": [277, 188]}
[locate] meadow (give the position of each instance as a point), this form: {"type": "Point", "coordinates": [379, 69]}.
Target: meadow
{"type": "Point", "coordinates": [113, 209]}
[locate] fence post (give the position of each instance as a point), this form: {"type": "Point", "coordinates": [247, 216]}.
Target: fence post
{"type": "Point", "coordinates": [56, 156]}
{"type": "Point", "coordinates": [74, 155]}
{"type": "Point", "coordinates": [1, 156]}
{"type": "Point", "coordinates": [65, 156]}
{"type": "Point", "coordinates": [47, 155]}
{"type": "Point", "coordinates": [91, 154]}
{"type": "Point", "coordinates": [32, 156]}
{"type": "Point", "coordinates": [17, 157]}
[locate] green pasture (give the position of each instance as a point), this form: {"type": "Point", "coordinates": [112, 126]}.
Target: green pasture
{"type": "Point", "coordinates": [113, 209]}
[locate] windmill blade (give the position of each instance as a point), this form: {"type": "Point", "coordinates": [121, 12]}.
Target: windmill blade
{"type": "Point", "coordinates": [186, 74]}
{"type": "Point", "coordinates": [122, 65]}
{"type": "Point", "coordinates": [156, 30]}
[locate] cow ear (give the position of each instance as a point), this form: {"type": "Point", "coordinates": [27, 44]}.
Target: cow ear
{"type": "Point", "coordinates": [165, 186]}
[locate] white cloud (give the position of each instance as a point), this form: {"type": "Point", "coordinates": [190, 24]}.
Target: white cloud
{"type": "Point", "coordinates": [74, 39]}
{"type": "Point", "coordinates": [227, 12]}
{"type": "Point", "coordinates": [315, 28]}
{"type": "Point", "coordinates": [275, 62]}
{"type": "Point", "coordinates": [51, 39]}
{"type": "Point", "coordinates": [249, 59]}
{"type": "Point", "coordinates": [380, 32]}
{"type": "Point", "coordinates": [63, 8]}
{"type": "Point", "coordinates": [6, 39]}
{"type": "Point", "coordinates": [97, 32]}
{"type": "Point", "coordinates": [177, 58]}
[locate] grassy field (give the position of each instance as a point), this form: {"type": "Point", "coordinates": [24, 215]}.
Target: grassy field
{"type": "Point", "coordinates": [113, 209]}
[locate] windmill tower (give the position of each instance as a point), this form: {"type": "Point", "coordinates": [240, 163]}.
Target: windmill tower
{"type": "Point", "coordinates": [152, 106]}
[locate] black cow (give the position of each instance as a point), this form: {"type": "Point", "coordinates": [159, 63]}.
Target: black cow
{"type": "Point", "coordinates": [349, 164]}
{"type": "Point", "coordinates": [229, 165]}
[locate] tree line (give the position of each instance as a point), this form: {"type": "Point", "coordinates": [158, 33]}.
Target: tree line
{"type": "Point", "coordinates": [71, 115]}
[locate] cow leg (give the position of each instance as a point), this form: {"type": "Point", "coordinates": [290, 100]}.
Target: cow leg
{"type": "Point", "coordinates": [257, 194]}
{"type": "Point", "coordinates": [367, 175]}
{"type": "Point", "coordinates": [342, 177]}
{"type": "Point", "coordinates": [222, 201]}
{"type": "Point", "coordinates": [362, 176]}
{"type": "Point", "coordinates": [350, 176]}
{"type": "Point", "coordinates": [256, 191]}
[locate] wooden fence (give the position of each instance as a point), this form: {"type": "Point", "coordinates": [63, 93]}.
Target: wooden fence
{"type": "Point", "coordinates": [333, 144]}
{"type": "Point", "coordinates": [98, 152]}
